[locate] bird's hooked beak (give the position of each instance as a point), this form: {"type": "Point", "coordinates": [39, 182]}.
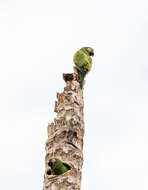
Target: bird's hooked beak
{"type": "Point", "coordinates": [91, 54]}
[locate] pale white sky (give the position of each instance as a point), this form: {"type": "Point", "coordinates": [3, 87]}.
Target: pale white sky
{"type": "Point", "coordinates": [37, 41]}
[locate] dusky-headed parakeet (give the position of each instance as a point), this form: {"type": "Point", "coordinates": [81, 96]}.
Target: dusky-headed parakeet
{"type": "Point", "coordinates": [57, 167]}
{"type": "Point", "coordinates": [83, 62]}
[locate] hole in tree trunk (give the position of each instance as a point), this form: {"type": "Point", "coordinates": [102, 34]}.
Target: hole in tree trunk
{"type": "Point", "coordinates": [55, 169]}
{"type": "Point", "coordinates": [69, 168]}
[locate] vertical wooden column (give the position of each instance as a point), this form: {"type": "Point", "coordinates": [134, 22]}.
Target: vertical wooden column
{"type": "Point", "coordinates": [65, 137]}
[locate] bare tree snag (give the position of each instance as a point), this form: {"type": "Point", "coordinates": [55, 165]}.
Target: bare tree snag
{"type": "Point", "coordinates": [65, 137]}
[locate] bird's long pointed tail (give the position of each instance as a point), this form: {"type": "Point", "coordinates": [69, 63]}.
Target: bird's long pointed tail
{"type": "Point", "coordinates": [81, 77]}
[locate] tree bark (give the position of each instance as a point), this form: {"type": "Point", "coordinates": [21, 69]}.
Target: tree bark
{"type": "Point", "coordinates": [65, 137]}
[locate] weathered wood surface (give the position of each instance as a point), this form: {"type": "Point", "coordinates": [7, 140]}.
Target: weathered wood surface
{"type": "Point", "coordinates": [65, 137]}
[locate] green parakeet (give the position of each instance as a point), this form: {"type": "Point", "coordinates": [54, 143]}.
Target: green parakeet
{"type": "Point", "coordinates": [57, 167]}
{"type": "Point", "coordinates": [83, 62]}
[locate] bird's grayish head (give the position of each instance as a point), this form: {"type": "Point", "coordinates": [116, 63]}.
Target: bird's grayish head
{"type": "Point", "coordinates": [89, 51]}
{"type": "Point", "coordinates": [51, 162]}
{"type": "Point", "coordinates": [54, 163]}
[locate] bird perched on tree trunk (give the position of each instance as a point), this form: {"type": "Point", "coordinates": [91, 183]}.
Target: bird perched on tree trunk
{"type": "Point", "coordinates": [57, 167]}
{"type": "Point", "coordinates": [83, 62]}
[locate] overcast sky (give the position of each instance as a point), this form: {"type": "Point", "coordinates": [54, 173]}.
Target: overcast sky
{"type": "Point", "coordinates": [37, 41]}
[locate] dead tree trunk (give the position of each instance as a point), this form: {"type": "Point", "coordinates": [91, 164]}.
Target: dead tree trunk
{"type": "Point", "coordinates": [65, 137]}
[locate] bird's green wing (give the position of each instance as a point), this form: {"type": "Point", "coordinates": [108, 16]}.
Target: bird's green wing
{"type": "Point", "coordinates": [79, 58]}
{"type": "Point", "coordinates": [59, 168]}
{"type": "Point", "coordinates": [82, 60]}
{"type": "Point", "coordinates": [88, 64]}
